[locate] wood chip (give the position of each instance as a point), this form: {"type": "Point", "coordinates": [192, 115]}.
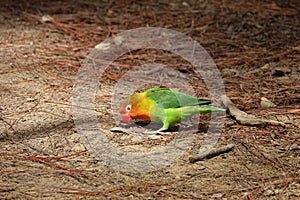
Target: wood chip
{"type": "Point", "coordinates": [212, 153]}
{"type": "Point", "coordinates": [244, 118]}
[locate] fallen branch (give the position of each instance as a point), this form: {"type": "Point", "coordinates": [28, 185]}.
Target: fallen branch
{"type": "Point", "coordinates": [261, 8]}
{"type": "Point", "coordinates": [212, 153]}
{"type": "Point", "coordinates": [6, 188]}
{"type": "Point", "coordinates": [59, 168]}
{"type": "Point", "coordinates": [244, 118]}
{"type": "Point", "coordinates": [295, 111]}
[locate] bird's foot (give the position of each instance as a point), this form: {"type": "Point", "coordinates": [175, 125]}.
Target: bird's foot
{"type": "Point", "coordinates": [157, 132]}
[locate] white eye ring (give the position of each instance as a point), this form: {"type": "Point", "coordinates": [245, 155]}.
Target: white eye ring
{"type": "Point", "coordinates": [128, 107]}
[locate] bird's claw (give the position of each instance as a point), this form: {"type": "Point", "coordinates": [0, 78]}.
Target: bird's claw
{"type": "Point", "coordinates": [157, 132]}
{"type": "Point", "coordinates": [151, 132]}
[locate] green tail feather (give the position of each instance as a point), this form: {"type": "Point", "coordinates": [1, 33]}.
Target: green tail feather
{"type": "Point", "coordinates": [188, 111]}
{"type": "Point", "coordinates": [209, 109]}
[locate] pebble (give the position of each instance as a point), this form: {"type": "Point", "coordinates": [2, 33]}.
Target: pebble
{"type": "Point", "coordinates": [201, 167]}
{"type": "Point", "coordinates": [228, 71]}
{"type": "Point", "coordinates": [294, 147]}
{"type": "Point", "coordinates": [30, 99]}
{"type": "Point", "coordinates": [281, 71]}
{"type": "Point", "coordinates": [265, 68]}
{"type": "Point", "coordinates": [185, 4]}
{"type": "Point", "coordinates": [78, 147]}
{"type": "Point", "coordinates": [217, 196]}
{"type": "Point", "coordinates": [35, 76]}
{"type": "Point", "coordinates": [231, 123]}
{"type": "Point", "coordinates": [46, 18]}
{"type": "Point", "coordinates": [268, 192]}
{"type": "Point", "coordinates": [264, 102]}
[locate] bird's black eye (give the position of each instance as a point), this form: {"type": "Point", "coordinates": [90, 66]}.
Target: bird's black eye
{"type": "Point", "coordinates": [128, 107]}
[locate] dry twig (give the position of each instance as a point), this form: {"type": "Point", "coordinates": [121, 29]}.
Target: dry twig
{"type": "Point", "coordinates": [212, 153]}
{"type": "Point", "coordinates": [244, 118]}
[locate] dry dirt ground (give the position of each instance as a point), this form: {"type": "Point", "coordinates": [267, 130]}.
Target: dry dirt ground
{"type": "Point", "coordinates": [255, 44]}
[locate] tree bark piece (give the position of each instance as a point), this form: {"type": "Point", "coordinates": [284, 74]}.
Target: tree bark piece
{"type": "Point", "coordinates": [244, 118]}
{"type": "Point", "coordinates": [212, 153]}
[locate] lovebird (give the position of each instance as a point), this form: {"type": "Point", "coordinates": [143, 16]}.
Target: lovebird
{"type": "Point", "coordinates": [164, 105]}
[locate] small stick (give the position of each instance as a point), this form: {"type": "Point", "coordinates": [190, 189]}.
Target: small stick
{"type": "Point", "coordinates": [212, 153]}
{"type": "Point", "coordinates": [244, 118]}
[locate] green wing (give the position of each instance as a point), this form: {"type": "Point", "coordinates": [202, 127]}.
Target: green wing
{"type": "Point", "coordinates": [167, 98]}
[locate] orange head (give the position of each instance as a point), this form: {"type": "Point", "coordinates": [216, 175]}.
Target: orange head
{"type": "Point", "coordinates": [136, 107]}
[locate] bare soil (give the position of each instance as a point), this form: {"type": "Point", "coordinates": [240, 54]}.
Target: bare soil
{"type": "Point", "coordinates": [255, 44]}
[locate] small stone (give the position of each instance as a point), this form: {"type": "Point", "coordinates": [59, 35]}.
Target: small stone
{"type": "Point", "coordinates": [185, 4]}
{"type": "Point", "coordinates": [30, 99]}
{"type": "Point", "coordinates": [110, 12]}
{"type": "Point", "coordinates": [228, 71]}
{"type": "Point", "coordinates": [35, 76]}
{"type": "Point", "coordinates": [201, 167]}
{"type": "Point", "coordinates": [189, 173]}
{"type": "Point", "coordinates": [217, 196]}
{"type": "Point", "coordinates": [281, 71]}
{"type": "Point", "coordinates": [269, 192]}
{"type": "Point", "coordinates": [231, 123]}
{"type": "Point", "coordinates": [103, 46]}
{"type": "Point", "coordinates": [265, 68]}
{"type": "Point", "coordinates": [76, 49]}
{"type": "Point", "coordinates": [78, 147]}
{"type": "Point", "coordinates": [116, 67]}
{"type": "Point", "coordinates": [264, 102]}
{"type": "Point", "coordinates": [46, 18]}
{"type": "Point", "coordinates": [296, 48]}
{"type": "Point", "coordinates": [294, 147]}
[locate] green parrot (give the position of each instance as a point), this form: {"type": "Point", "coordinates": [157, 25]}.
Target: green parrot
{"type": "Point", "coordinates": [164, 105]}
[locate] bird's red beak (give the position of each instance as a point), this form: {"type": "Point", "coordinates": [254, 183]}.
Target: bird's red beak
{"type": "Point", "coordinates": [126, 118]}
{"type": "Point", "coordinates": [125, 115]}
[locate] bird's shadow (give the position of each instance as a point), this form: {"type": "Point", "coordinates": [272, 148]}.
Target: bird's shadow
{"type": "Point", "coordinates": [184, 126]}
